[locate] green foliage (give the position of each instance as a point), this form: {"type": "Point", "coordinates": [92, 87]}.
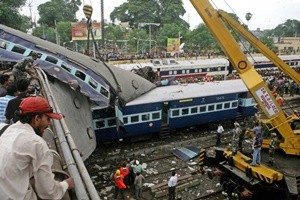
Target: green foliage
{"type": "Point", "coordinates": [45, 32]}
{"type": "Point", "coordinates": [10, 16]}
{"type": "Point", "coordinates": [171, 30]}
{"type": "Point", "coordinates": [201, 40]}
{"type": "Point", "coordinates": [55, 11]}
{"type": "Point", "coordinates": [151, 11]}
{"type": "Point", "coordinates": [290, 28]}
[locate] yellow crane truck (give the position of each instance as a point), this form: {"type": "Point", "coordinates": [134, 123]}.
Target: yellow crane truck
{"type": "Point", "coordinates": [240, 179]}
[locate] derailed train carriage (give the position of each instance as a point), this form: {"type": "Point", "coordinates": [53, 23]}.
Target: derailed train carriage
{"type": "Point", "coordinates": [74, 83]}
{"type": "Point", "coordinates": [174, 107]}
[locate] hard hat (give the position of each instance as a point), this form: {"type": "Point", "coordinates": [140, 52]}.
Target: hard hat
{"type": "Point", "coordinates": [137, 162]}
{"type": "Point", "coordinates": [118, 172]}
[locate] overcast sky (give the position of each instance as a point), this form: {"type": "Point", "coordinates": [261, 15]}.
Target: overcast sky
{"type": "Point", "coordinates": [267, 14]}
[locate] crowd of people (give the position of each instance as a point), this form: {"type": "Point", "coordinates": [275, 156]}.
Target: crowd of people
{"type": "Point", "coordinates": [27, 171]}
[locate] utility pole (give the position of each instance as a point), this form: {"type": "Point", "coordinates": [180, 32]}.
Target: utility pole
{"type": "Point", "coordinates": [149, 24]}
{"type": "Point", "coordinates": [102, 26]}
{"type": "Point", "coordinates": [30, 6]}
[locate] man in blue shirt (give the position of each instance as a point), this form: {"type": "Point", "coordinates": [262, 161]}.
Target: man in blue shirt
{"type": "Point", "coordinates": [257, 142]}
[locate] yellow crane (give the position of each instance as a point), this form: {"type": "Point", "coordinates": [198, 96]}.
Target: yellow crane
{"type": "Point", "coordinates": [215, 20]}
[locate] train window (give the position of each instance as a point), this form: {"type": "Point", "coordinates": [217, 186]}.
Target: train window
{"type": "Point", "coordinates": [170, 72]}
{"type": "Point", "coordinates": [174, 72]}
{"type": "Point", "coordinates": [211, 107]}
{"type": "Point", "coordinates": [104, 91]}
{"type": "Point", "coordinates": [100, 124]}
{"type": "Point", "coordinates": [183, 71]}
{"type": "Point", "coordinates": [219, 106]}
{"type": "Point", "coordinates": [134, 118]}
{"type": "Point", "coordinates": [80, 75]}
{"type": "Point", "coordinates": [196, 70]}
{"type": "Point", "coordinates": [194, 110]}
{"type": "Point", "coordinates": [202, 108]}
{"type": "Point", "coordinates": [200, 70]}
{"type": "Point", "coordinates": [111, 122]}
{"type": "Point", "coordinates": [226, 105]}
{"type": "Point", "coordinates": [145, 117]}
{"type": "Point", "coordinates": [155, 115]}
{"type": "Point", "coordinates": [187, 71]}
{"type": "Point", "coordinates": [175, 113]}
{"type": "Point", "coordinates": [234, 104]}
{"type": "Point", "coordinates": [125, 120]}
{"type": "Point", "coordinates": [3, 44]}
{"type": "Point", "coordinates": [207, 69]}
{"type": "Point", "coordinates": [18, 49]}
{"type": "Point", "coordinates": [66, 67]}
{"type": "Point", "coordinates": [185, 111]}
{"type": "Point", "coordinates": [51, 59]}
{"type": "Point", "coordinates": [173, 62]}
{"type": "Point", "coordinates": [93, 83]}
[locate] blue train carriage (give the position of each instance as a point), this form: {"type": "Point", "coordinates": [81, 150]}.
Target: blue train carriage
{"type": "Point", "coordinates": [175, 107]}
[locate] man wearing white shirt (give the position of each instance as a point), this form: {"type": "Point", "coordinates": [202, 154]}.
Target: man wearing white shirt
{"type": "Point", "coordinates": [172, 185]}
{"type": "Point", "coordinates": [26, 155]}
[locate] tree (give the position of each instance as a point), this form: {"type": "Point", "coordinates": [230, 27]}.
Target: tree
{"type": "Point", "coordinates": [151, 11]}
{"type": "Point", "coordinates": [55, 11]}
{"type": "Point", "coordinates": [171, 30]}
{"type": "Point", "coordinates": [290, 28]}
{"type": "Point", "coordinates": [201, 40]}
{"type": "Point", "coordinates": [10, 16]}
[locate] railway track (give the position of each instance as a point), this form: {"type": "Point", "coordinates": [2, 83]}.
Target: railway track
{"type": "Point", "coordinates": [156, 156]}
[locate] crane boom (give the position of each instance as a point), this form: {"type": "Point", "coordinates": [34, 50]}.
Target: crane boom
{"type": "Point", "coordinates": [256, 85]}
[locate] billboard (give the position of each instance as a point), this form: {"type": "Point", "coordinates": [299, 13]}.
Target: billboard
{"type": "Point", "coordinates": [173, 45]}
{"type": "Point", "coordinates": [80, 32]}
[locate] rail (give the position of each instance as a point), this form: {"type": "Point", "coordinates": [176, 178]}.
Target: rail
{"type": "Point", "coordinates": [84, 188]}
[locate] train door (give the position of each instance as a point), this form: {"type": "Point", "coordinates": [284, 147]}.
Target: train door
{"type": "Point", "coordinates": [165, 114]}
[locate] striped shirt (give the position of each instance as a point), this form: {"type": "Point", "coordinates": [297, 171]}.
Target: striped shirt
{"type": "Point", "coordinates": [3, 104]}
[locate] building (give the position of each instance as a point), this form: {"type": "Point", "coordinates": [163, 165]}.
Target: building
{"type": "Point", "coordinates": [287, 45]}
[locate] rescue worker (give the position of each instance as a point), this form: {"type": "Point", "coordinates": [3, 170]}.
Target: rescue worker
{"type": "Point", "coordinates": [119, 184]}
{"type": "Point", "coordinates": [124, 169]}
{"type": "Point", "coordinates": [236, 138]}
{"type": "Point", "coordinates": [272, 147]}
{"type": "Point", "coordinates": [172, 185]}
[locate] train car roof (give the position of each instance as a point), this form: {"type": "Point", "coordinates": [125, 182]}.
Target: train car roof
{"type": "Point", "coordinates": [203, 89]}
{"type": "Point", "coordinates": [131, 85]}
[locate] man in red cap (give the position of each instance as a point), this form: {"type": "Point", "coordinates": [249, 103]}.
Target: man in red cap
{"type": "Point", "coordinates": [27, 155]}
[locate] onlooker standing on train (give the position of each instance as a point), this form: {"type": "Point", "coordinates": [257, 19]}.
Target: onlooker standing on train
{"type": "Point", "coordinates": [172, 185]}
{"type": "Point", "coordinates": [25, 155]}
{"type": "Point", "coordinates": [119, 184]}
{"type": "Point", "coordinates": [257, 142]}
{"type": "Point", "coordinates": [138, 183]}
{"type": "Point", "coordinates": [220, 130]}
{"type": "Point", "coordinates": [24, 66]}
{"type": "Point", "coordinates": [272, 147]}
